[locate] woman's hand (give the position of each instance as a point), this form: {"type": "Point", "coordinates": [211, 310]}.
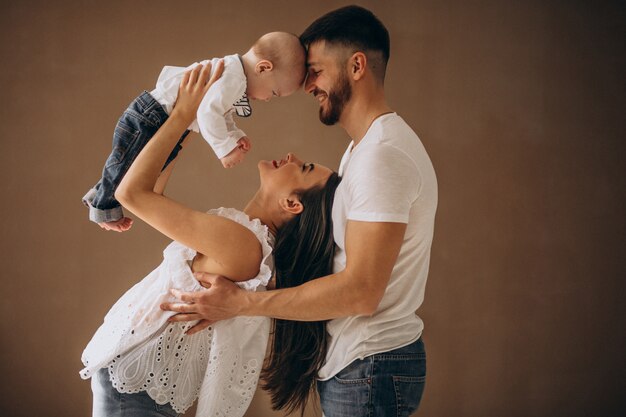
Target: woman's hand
{"type": "Point", "coordinates": [193, 87]}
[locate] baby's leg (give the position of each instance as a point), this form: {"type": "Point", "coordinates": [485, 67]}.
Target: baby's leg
{"type": "Point", "coordinates": [120, 225]}
{"type": "Point", "coordinates": [134, 129]}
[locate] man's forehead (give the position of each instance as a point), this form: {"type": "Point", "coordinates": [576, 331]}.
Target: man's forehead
{"type": "Point", "coordinates": [323, 52]}
{"type": "Point", "coordinates": [316, 53]}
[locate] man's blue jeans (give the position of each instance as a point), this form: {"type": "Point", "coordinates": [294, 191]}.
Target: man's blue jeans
{"type": "Point", "coordinates": [141, 120]}
{"type": "Point", "coordinates": [382, 385]}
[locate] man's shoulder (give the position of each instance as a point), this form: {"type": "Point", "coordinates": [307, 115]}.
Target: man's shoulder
{"type": "Point", "coordinates": [390, 136]}
{"type": "Point", "coordinates": [394, 130]}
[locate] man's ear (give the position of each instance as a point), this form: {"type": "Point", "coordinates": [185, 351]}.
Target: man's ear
{"type": "Point", "coordinates": [357, 61]}
{"type": "Point", "coordinates": [291, 204]}
{"type": "Point", "coordinates": [263, 65]}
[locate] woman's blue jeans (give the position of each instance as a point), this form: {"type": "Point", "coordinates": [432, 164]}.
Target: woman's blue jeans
{"type": "Point", "coordinates": [382, 385]}
{"type": "Point", "coordinates": [108, 402]}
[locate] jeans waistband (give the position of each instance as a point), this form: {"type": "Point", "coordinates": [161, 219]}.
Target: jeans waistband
{"type": "Point", "coordinates": [148, 108]}
{"type": "Point", "coordinates": [146, 102]}
{"type": "Point", "coordinates": [413, 348]}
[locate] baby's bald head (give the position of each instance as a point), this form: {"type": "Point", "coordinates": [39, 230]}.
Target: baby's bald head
{"type": "Point", "coordinates": [286, 54]}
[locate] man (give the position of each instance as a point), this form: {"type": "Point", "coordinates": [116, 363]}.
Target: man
{"type": "Point", "coordinates": [383, 217]}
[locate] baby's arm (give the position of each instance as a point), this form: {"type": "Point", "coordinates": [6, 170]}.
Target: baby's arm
{"type": "Point", "coordinates": [237, 155]}
{"type": "Point", "coordinates": [215, 114]}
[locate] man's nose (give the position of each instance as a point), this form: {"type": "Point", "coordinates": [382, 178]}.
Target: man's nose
{"type": "Point", "coordinates": [309, 84]}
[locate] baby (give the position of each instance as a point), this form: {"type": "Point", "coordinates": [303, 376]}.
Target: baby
{"type": "Point", "coordinates": [273, 67]}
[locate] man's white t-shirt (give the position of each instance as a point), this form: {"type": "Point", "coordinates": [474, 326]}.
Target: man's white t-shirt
{"type": "Point", "coordinates": [387, 177]}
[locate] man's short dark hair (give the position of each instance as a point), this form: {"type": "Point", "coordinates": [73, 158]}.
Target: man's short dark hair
{"type": "Point", "coordinates": [353, 27]}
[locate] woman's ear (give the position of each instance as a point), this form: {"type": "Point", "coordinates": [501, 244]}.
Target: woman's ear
{"type": "Point", "coordinates": [263, 65]}
{"type": "Point", "coordinates": [291, 204]}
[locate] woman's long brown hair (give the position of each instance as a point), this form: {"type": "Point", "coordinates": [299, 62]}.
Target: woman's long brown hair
{"type": "Point", "coordinates": [304, 251]}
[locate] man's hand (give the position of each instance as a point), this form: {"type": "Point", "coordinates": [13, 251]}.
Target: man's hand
{"type": "Point", "coordinates": [221, 300]}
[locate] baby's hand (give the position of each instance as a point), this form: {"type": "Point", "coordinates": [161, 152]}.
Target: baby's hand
{"type": "Point", "coordinates": [244, 144]}
{"type": "Point", "coordinates": [236, 155]}
{"type": "Point", "coordinates": [120, 225]}
{"type": "Point", "coordinates": [233, 158]}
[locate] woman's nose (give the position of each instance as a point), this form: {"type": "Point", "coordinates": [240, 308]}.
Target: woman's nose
{"type": "Point", "coordinates": [292, 158]}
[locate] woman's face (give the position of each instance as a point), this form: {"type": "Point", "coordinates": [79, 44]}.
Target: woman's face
{"type": "Point", "coordinates": [290, 173]}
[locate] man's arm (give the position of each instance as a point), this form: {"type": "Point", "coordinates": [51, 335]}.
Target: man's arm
{"type": "Point", "coordinates": [371, 252]}
{"type": "Point", "coordinates": [372, 249]}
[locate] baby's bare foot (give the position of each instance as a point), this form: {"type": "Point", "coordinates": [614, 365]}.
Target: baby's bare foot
{"type": "Point", "coordinates": [120, 225]}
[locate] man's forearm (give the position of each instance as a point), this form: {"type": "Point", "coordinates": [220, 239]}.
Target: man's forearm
{"type": "Point", "coordinates": [371, 252]}
{"type": "Point", "coordinates": [324, 298]}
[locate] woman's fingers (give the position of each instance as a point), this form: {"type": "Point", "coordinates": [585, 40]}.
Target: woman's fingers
{"type": "Point", "coordinates": [200, 76]}
{"type": "Point", "coordinates": [193, 87]}
{"type": "Point", "coordinates": [219, 69]}
{"type": "Point", "coordinates": [193, 77]}
{"type": "Point", "coordinates": [185, 80]}
{"type": "Point", "coordinates": [205, 74]}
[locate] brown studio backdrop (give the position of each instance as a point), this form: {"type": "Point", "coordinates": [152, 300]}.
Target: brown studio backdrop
{"type": "Point", "coordinates": [520, 105]}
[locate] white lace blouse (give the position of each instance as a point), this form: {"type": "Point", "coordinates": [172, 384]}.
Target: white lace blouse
{"type": "Point", "coordinates": [219, 365]}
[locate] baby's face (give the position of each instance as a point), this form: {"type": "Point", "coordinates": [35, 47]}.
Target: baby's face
{"type": "Point", "coordinates": [272, 84]}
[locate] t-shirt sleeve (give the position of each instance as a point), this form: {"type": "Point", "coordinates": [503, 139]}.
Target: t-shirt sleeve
{"type": "Point", "coordinates": [384, 183]}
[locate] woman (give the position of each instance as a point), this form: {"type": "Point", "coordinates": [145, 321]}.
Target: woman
{"type": "Point", "coordinates": [143, 365]}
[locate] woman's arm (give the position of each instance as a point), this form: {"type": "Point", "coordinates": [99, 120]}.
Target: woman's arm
{"type": "Point", "coordinates": [216, 237]}
{"type": "Point", "coordinates": [164, 176]}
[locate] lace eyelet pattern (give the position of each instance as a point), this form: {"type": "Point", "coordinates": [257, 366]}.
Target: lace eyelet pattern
{"type": "Point", "coordinates": [219, 366]}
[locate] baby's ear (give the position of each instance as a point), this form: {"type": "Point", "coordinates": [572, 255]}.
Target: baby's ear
{"type": "Point", "coordinates": [291, 204]}
{"type": "Point", "coordinates": [263, 65]}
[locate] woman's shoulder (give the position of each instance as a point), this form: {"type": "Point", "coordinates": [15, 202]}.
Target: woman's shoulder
{"type": "Point", "coordinates": [260, 230]}
{"type": "Point", "coordinates": [247, 248]}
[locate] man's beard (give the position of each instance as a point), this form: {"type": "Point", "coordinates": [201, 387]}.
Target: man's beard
{"type": "Point", "coordinates": [337, 98]}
